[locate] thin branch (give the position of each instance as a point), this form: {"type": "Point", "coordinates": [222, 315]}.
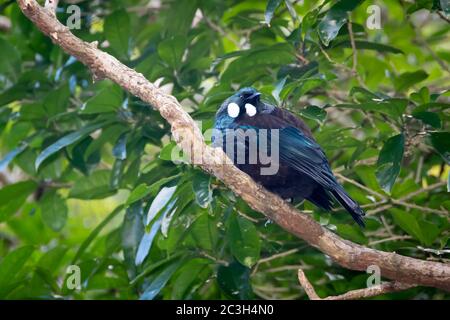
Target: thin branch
{"type": "Point", "coordinates": [278, 255]}
{"type": "Point", "coordinates": [393, 238]}
{"type": "Point", "coordinates": [359, 185]}
{"type": "Point", "coordinates": [352, 42]}
{"type": "Point", "coordinates": [387, 287]}
{"type": "Point", "coordinates": [214, 161]}
{"type": "Point", "coordinates": [401, 201]}
{"type": "Point", "coordinates": [443, 17]}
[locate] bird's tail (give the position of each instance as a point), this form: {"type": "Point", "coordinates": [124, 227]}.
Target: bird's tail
{"type": "Point", "coordinates": [349, 204]}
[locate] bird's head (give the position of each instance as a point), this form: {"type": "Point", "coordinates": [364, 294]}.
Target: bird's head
{"type": "Point", "coordinates": [244, 101]}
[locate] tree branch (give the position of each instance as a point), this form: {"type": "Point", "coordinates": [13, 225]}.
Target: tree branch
{"type": "Point", "coordinates": [373, 291]}
{"type": "Point", "coordinates": [189, 138]}
{"type": "Point", "coordinates": [51, 5]}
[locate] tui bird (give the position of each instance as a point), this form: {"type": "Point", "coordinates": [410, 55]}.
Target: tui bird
{"type": "Point", "coordinates": [303, 169]}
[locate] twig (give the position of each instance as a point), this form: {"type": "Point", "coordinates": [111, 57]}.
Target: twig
{"type": "Point", "coordinates": [394, 238]}
{"type": "Point", "coordinates": [373, 291]}
{"type": "Point", "coordinates": [278, 255]}
{"type": "Point", "coordinates": [352, 42]}
{"type": "Point", "coordinates": [359, 185]}
{"type": "Point", "coordinates": [443, 17]}
{"type": "Point", "coordinates": [274, 257]}
{"type": "Point", "coordinates": [400, 201]}
{"type": "Point", "coordinates": [423, 190]}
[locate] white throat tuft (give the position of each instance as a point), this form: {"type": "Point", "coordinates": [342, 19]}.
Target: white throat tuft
{"type": "Point", "coordinates": [233, 110]}
{"type": "Point", "coordinates": [250, 109]}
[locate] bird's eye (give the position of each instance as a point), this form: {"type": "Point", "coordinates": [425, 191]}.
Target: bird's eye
{"type": "Point", "coordinates": [250, 109]}
{"type": "Point", "coordinates": [233, 110]}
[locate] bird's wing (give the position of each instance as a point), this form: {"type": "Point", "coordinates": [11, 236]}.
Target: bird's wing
{"type": "Point", "coordinates": [305, 155]}
{"type": "Point", "coordinates": [297, 148]}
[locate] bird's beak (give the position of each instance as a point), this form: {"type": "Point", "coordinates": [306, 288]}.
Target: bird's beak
{"type": "Point", "coordinates": [254, 96]}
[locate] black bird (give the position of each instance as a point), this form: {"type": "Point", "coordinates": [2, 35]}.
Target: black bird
{"type": "Point", "coordinates": [303, 169]}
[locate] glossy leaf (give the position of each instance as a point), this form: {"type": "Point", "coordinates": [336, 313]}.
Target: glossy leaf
{"type": "Point", "coordinates": [96, 186]}
{"type": "Point", "coordinates": [10, 267]}
{"type": "Point", "coordinates": [272, 5]}
{"type": "Point", "coordinates": [13, 196]}
{"type": "Point", "coordinates": [201, 183]}
{"type": "Point", "coordinates": [234, 281]}
{"type": "Point", "coordinates": [245, 244]}
{"type": "Point", "coordinates": [117, 32]}
{"type": "Point", "coordinates": [54, 211]}
{"type": "Point", "coordinates": [441, 142]}
{"type": "Point", "coordinates": [389, 162]}
{"type": "Point", "coordinates": [335, 18]}
{"type": "Point", "coordinates": [65, 141]}
{"type": "Point", "coordinates": [152, 290]}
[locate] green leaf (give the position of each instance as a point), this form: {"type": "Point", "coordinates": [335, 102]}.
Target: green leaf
{"type": "Point", "coordinates": [13, 196]}
{"type": "Point", "coordinates": [138, 193]}
{"type": "Point", "coordinates": [161, 204]}
{"type": "Point", "coordinates": [448, 182]}
{"type": "Point", "coordinates": [66, 141]}
{"type": "Point", "coordinates": [107, 100]}
{"type": "Point", "coordinates": [53, 211]}
{"type": "Point", "coordinates": [116, 174]}
{"type": "Point", "coordinates": [314, 113]}
{"type": "Point", "coordinates": [57, 100]}
{"type": "Point", "coordinates": [424, 231]}
{"type": "Point", "coordinates": [335, 18]}
{"type": "Point", "coordinates": [430, 118]}
{"type": "Point", "coordinates": [389, 161]}
{"type": "Point", "coordinates": [429, 232]}
{"type": "Point", "coordinates": [152, 290]}
{"type": "Point", "coordinates": [234, 281]}
{"type": "Point", "coordinates": [132, 231]}
{"type": "Point", "coordinates": [11, 155]}
{"type": "Point", "coordinates": [117, 31]}
{"type": "Point", "coordinates": [180, 16]}
{"type": "Point", "coordinates": [120, 148]}
{"type": "Point", "coordinates": [171, 51]}
{"type": "Point", "coordinates": [258, 60]}
{"type": "Point", "coordinates": [352, 233]}
{"type": "Point", "coordinates": [201, 184]}
{"type": "Point", "coordinates": [408, 79]}
{"type": "Point", "coordinates": [86, 243]}
{"type": "Point", "coordinates": [188, 276]}
{"type": "Point", "coordinates": [160, 207]}
{"type": "Point", "coordinates": [52, 259]}
{"type": "Point", "coordinates": [407, 222]}
{"type": "Point", "coordinates": [272, 5]}
{"type": "Point", "coordinates": [142, 190]}
{"type": "Point", "coordinates": [244, 240]}
{"type": "Point", "coordinates": [441, 142]}
{"type": "Point", "coordinates": [9, 59]}
{"type": "Point", "coordinates": [96, 186]}
{"type": "Point", "coordinates": [392, 107]}
{"type": "Point", "coordinates": [10, 267]}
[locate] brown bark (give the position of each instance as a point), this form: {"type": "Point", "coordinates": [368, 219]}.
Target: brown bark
{"type": "Point", "coordinates": [369, 292]}
{"type": "Point", "coordinates": [189, 138]}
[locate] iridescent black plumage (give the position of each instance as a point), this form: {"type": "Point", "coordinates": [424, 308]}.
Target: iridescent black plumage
{"type": "Point", "coordinates": [304, 171]}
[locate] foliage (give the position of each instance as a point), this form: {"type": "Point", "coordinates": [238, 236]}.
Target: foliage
{"type": "Point", "coordinates": [86, 173]}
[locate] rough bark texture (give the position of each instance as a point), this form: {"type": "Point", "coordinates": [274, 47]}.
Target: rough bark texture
{"type": "Point", "coordinates": [189, 138]}
{"type": "Point", "coordinates": [387, 287]}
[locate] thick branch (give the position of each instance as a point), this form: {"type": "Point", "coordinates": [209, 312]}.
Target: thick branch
{"type": "Point", "coordinates": [189, 138]}
{"type": "Point", "coordinates": [387, 287]}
